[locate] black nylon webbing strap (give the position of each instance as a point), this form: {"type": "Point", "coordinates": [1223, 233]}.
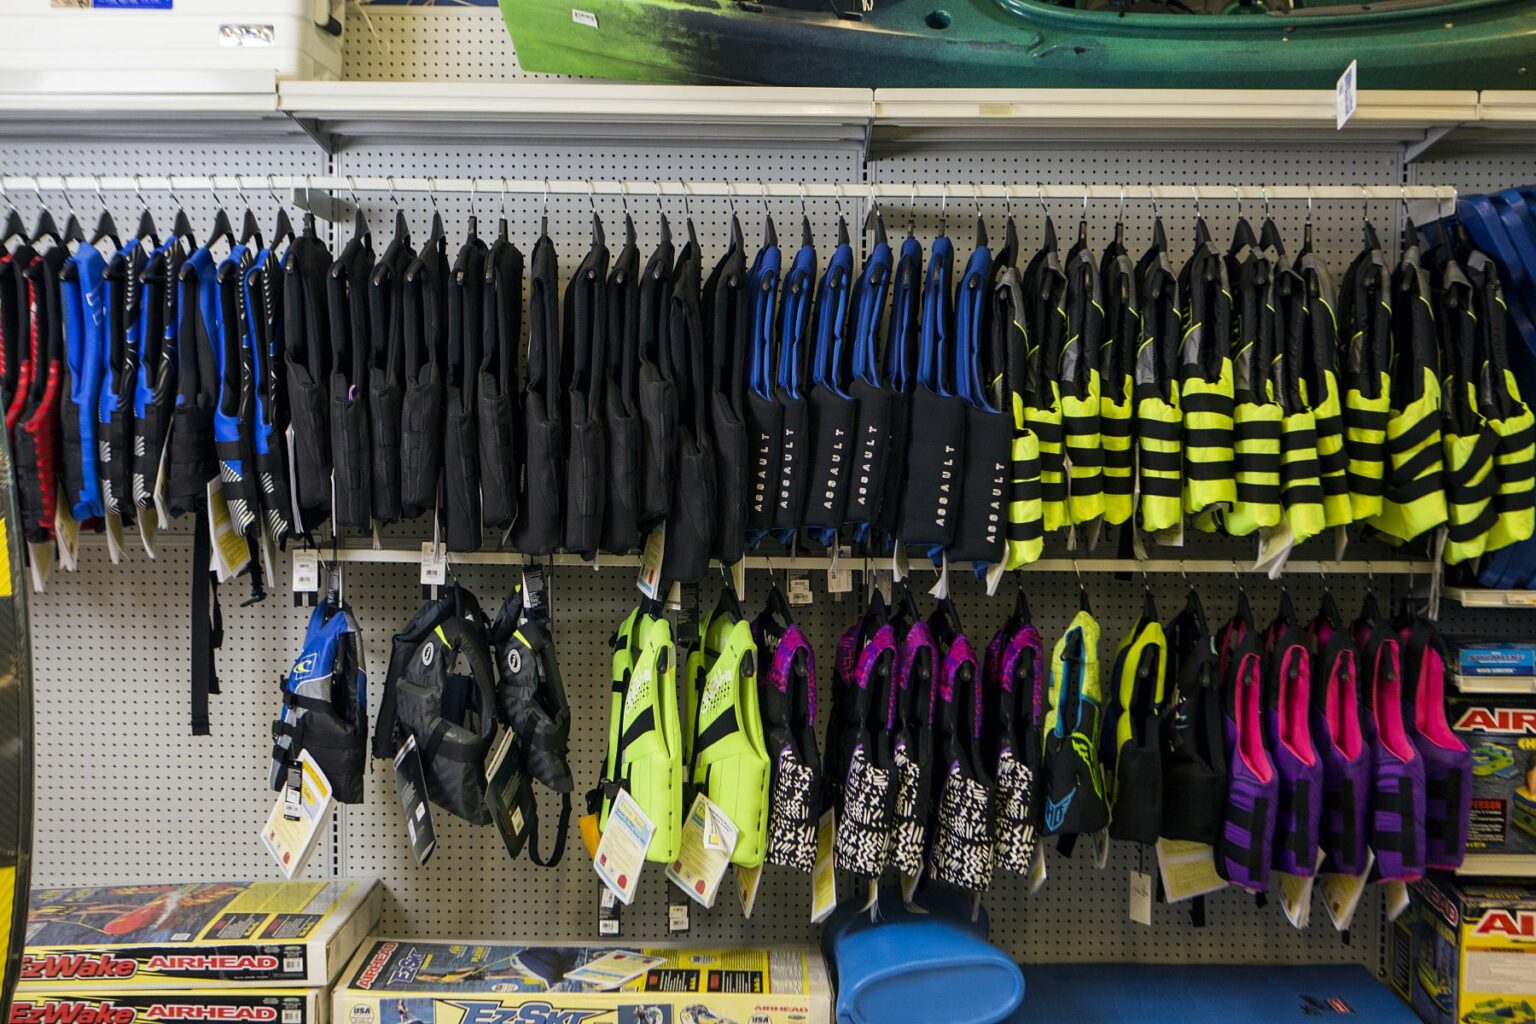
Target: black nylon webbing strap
{"type": "Point", "coordinates": [207, 628]}
{"type": "Point", "coordinates": [562, 829]}
{"type": "Point", "coordinates": [1398, 801]}
{"type": "Point", "coordinates": [1348, 806]}
{"type": "Point", "coordinates": [1256, 855]}
{"type": "Point", "coordinates": [1444, 789]}
{"type": "Point", "coordinates": [1301, 842]}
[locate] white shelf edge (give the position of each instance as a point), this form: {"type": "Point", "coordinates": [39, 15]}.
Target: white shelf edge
{"type": "Point", "coordinates": [1498, 865]}
{"type": "Point", "coordinates": [1477, 597]}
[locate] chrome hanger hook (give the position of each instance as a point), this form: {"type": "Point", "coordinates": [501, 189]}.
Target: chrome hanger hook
{"type": "Point", "coordinates": [545, 211]}
{"type": "Point", "coordinates": [432, 193]}
{"type": "Point", "coordinates": [944, 210]}
{"type": "Point", "coordinates": [1264, 191]}
{"type": "Point", "coordinates": [1086, 189]}
{"type": "Point", "coordinates": [592, 195]}
{"type": "Point", "coordinates": [803, 211]}
{"type": "Point", "coordinates": [687, 205]}
{"type": "Point", "coordinates": [730, 198]}
{"type": "Point", "coordinates": [103, 199]}
{"type": "Point", "coordinates": [624, 196]}
{"type": "Point", "coordinates": [1309, 204]}
{"type": "Point", "coordinates": [1238, 193]}
{"type": "Point", "coordinates": [390, 180]}
{"type": "Point", "coordinates": [912, 211]}
{"type": "Point", "coordinates": [1365, 204]}
{"type": "Point", "coordinates": [170, 190]}
{"type": "Point", "coordinates": [763, 188]}
{"type": "Point", "coordinates": [660, 209]}
{"type": "Point", "coordinates": [1008, 201]}
{"type": "Point", "coordinates": [1120, 212]}
{"type": "Point", "coordinates": [1040, 197]}
{"type": "Point", "coordinates": [474, 196]}
{"type": "Point", "coordinates": [505, 215]}
{"type": "Point", "coordinates": [137, 191]}
{"type": "Point", "coordinates": [837, 195]}
{"type": "Point", "coordinates": [1152, 195]}
{"type": "Point", "coordinates": [976, 198]}
{"type": "Point", "coordinates": [1194, 190]}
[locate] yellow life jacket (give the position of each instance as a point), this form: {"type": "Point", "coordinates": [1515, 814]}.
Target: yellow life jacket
{"type": "Point", "coordinates": [1010, 342]}
{"type": "Point", "coordinates": [1367, 318]}
{"type": "Point", "coordinates": [1505, 410]}
{"type": "Point", "coordinates": [1257, 426]}
{"type": "Point", "coordinates": [1413, 502]}
{"type": "Point", "coordinates": [1469, 442]}
{"type": "Point", "coordinates": [1122, 335]}
{"type": "Point", "coordinates": [1081, 385]}
{"type": "Point", "coordinates": [1320, 384]}
{"type": "Point", "coordinates": [1301, 490]}
{"type": "Point", "coordinates": [1159, 422]}
{"type": "Point", "coordinates": [1205, 382]}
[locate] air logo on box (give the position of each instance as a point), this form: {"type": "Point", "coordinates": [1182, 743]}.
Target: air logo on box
{"type": "Point", "coordinates": [1516, 924]}
{"type": "Point", "coordinates": [1506, 720]}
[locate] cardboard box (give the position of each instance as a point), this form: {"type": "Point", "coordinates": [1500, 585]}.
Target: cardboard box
{"type": "Point", "coordinates": [1490, 658]}
{"type": "Point", "coordinates": [1465, 953]}
{"type": "Point", "coordinates": [198, 934]}
{"type": "Point", "coordinates": [401, 981]}
{"type": "Point", "coordinates": [253, 1005]}
{"type": "Point", "coordinates": [1501, 733]}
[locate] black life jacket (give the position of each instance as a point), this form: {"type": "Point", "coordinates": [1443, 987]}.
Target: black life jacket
{"type": "Point", "coordinates": [582, 362]}
{"type": "Point", "coordinates": [1469, 442]}
{"type": "Point", "coordinates": [1010, 343]}
{"type": "Point", "coordinates": [872, 397]}
{"type": "Point", "coordinates": [1253, 267]}
{"type": "Point", "coordinates": [37, 434]}
{"type": "Point", "coordinates": [964, 829]}
{"type": "Point", "coordinates": [497, 382]}
{"type": "Point", "coordinates": [386, 370]}
{"type": "Point", "coordinates": [452, 715]}
{"type": "Point", "coordinates": [898, 372]}
{"type": "Point", "coordinates": [306, 326]}
{"type": "Point", "coordinates": [191, 460]}
{"type": "Point", "coordinates": [539, 516]}
{"type": "Point", "coordinates": [1194, 748]}
{"type": "Point", "coordinates": [621, 400]}
{"type": "Point", "coordinates": [127, 296]}
{"type": "Point", "coordinates": [936, 427]}
{"type": "Point", "coordinates": [691, 524]}
{"type": "Point", "coordinates": [833, 411]}
{"type": "Point", "coordinates": [351, 345]}
{"type": "Point", "coordinates": [426, 350]}
{"type": "Point", "coordinates": [13, 318]}
{"type": "Point", "coordinates": [727, 313]}
{"type": "Point", "coordinates": [1081, 385]}
{"type": "Point", "coordinates": [787, 698]}
{"type": "Point", "coordinates": [325, 706]}
{"type": "Point", "coordinates": [764, 419]}
{"type": "Point", "coordinates": [531, 702]}
{"type": "Point", "coordinates": [796, 307]}
{"type": "Point", "coordinates": [154, 387]}
{"type": "Point", "coordinates": [1321, 373]}
{"type": "Point", "coordinates": [657, 391]}
{"type": "Point", "coordinates": [1301, 485]}
{"type": "Point", "coordinates": [21, 361]}
{"type": "Point", "coordinates": [976, 365]}
{"type": "Point", "coordinates": [263, 288]}
{"type": "Point", "coordinates": [1045, 289]}
{"type": "Point", "coordinates": [1130, 744]}
{"type": "Point", "coordinates": [460, 510]}
{"type": "Point", "coordinates": [860, 779]}
{"type": "Point", "coordinates": [234, 416]}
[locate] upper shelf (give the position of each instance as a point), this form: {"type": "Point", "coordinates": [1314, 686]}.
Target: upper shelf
{"type": "Point", "coordinates": [346, 110]}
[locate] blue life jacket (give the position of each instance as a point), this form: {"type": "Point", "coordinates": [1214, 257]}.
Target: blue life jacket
{"type": "Point", "coordinates": [85, 340]}
{"type": "Point", "coordinates": [325, 704]}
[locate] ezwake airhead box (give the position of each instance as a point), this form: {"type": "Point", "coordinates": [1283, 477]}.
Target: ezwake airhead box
{"type": "Point", "coordinates": [216, 934]}
{"type": "Point", "coordinates": [251, 1005]}
{"type": "Point", "coordinates": [1500, 730]}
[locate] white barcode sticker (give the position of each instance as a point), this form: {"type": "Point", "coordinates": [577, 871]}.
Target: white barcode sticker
{"type": "Point", "coordinates": [581, 17]}
{"type": "Point", "coordinates": [293, 965]}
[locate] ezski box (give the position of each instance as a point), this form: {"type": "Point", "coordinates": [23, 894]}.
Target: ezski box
{"type": "Point", "coordinates": [198, 934]}
{"type": "Point", "coordinates": [408, 982]}
{"type": "Point", "coordinates": [185, 1006]}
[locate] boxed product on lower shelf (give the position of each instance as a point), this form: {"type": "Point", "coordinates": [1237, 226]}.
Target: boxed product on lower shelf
{"type": "Point", "coordinates": [1494, 666]}
{"type": "Point", "coordinates": [196, 934]}
{"type": "Point", "coordinates": [1465, 953]}
{"type": "Point", "coordinates": [252, 1005]}
{"type": "Point", "coordinates": [402, 981]}
{"type": "Point", "coordinates": [1501, 733]}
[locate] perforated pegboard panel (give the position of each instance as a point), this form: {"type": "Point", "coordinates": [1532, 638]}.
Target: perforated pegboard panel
{"type": "Point", "coordinates": [444, 43]}
{"type": "Point", "coordinates": [1481, 172]}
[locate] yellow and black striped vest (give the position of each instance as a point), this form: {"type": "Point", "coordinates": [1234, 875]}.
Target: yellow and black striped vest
{"type": "Point", "coordinates": [1506, 412]}
{"type": "Point", "coordinates": [1159, 424]}
{"type": "Point", "coordinates": [1026, 525]}
{"type": "Point", "coordinates": [1301, 489]}
{"type": "Point", "coordinates": [1320, 379]}
{"type": "Point", "coordinates": [1205, 381]}
{"type": "Point", "coordinates": [1367, 317]}
{"type": "Point", "coordinates": [1045, 291]}
{"type": "Point", "coordinates": [1468, 441]}
{"type": "Point", "coordinates": [1081, 386]}
{"type": "Point", "coordinates": [1122, 334]}
{"type": "Point", "coordinates": [1413, 502]}
{"type": "Point", "coordinates": [1256, 424]}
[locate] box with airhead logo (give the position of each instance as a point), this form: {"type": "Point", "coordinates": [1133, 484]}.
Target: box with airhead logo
{"type": "Point", "coordinates": [1500, 730]}
{"type": "Point", "coordinates": [120, 938]}
{"type": "Point", "coordinates": [403, 981]}
{"type": "Point", "coordinates": [252, 1005]}
{"type": "Point", "coordinates": [1465, 952]}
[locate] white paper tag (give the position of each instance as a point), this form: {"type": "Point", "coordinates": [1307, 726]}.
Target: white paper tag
{"type": "Point", "coordinates": [1141, 897]}
{"type": "Point", "coordinates": [799, 587]}
{"type": "Point", "coordinates": [114, 531]}
{"type": "Point", "coordinates": [739, 578]}
{"type": "Point", "coordinates": [909, 891]}
{"type": "Point", "coordinates": [1341, 893]}
{"type": "Point", "coordinates": [1101, 848]}
{"type": "Point", "coordinates": [40, 560]}
{"type": "Point", "coordinates": [434, 564]}
{"type": "Point", "coordinates": [1188, 869]}
{"type": "Point", "coordinates": [839, 573]}
{"type": "Point", "coordinates": [677, 917]}
{"type": "Point", "coordinates": [649, 580]}
{"type": "Point", "coordinates": [306, 571]}
{"type": "Point", "coordinates": [621, 850]}
{"type": "Point", "coordinates": [1296, 896]}
{"type": "Point", "coordinates": [1347, 98]}
{"type": "Point", "coordinates": [901, 567]}
{"type": "Point", "coordinates": [995, 574]}
{"type": "Point", "coordinates": [940, 589]}
{"type": "Point", "coordinates": [68, 533]}
{"type": "Point", "coordinates": [1397, 899]}
{"type": "Point", "coordinates": [290, 840]}
{"type": "Point", "coordinates": [885, 583]}
{"type": "Point", "coordinates": [581, 17]}
{"type": "Point", "coordinates": [747, 881]}
{"type": "Point", "coordinates": [704, 852]}
{"type": "Point", "coordinates": [1037, 872]}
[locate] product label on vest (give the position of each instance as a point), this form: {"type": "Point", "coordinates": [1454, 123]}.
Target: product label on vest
{"type": "Point", "coordinates": [536, 603]}
{"type": "Point", "coordinates": [411, 787]}
{"type": "Point", "coordinates": [621, 851]}
{"type": "Point", "coordinates": [704, 853]}
{"type": "Point", "coordinates": [508, 795]}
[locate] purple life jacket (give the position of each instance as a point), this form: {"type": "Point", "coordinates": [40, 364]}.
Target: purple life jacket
{"type": "Point", "coordinates": [1015, 692]}
{"type": "Point", "coordinates": [1341, 740]}
{"type": "Point", "coordinates": [787, 698]}
{"type": "Point", "coordinates": [1397, 798]}
{"type": "Point", "coordinates": [1288, 729]}
{"type": "Point", "coordinates": [1447, 761]}
{"type": "Point", "coordinates": [868, 796]}
{"type": "Point", "coordinates": [962, 850]}
{"type": "Point", "coordinates": [1252, 781]}
{"type": "Point", "coordinates": [911, 722]}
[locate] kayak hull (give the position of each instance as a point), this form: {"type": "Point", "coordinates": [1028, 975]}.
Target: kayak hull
{"type": "Point", "coordinates": [1460, 44]}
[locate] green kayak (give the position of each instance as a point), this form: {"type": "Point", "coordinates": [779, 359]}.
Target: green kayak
{"type": "Point", "coordinates": [1248, 44]}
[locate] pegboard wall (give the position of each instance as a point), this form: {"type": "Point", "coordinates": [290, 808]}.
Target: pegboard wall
{"type": "Point", "coordinates": [110, 642]}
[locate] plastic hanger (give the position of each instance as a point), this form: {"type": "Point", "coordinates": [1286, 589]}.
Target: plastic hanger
{"type": "Point", "coordinates": [221, 226]}
{"type": "Point", "coordinates": [249, 230]}
{"type": "Point", "coordinates": [778, 605]}
{"type": "Point", "coordinates": [73, 232]}
{"type": "Point", "coordinates": [283, 228]}
{"type": "Point", "coordinates": [105, 226]}
{"type": "Point", "coordinates": [45, 227]}
{"type": "Point", "coordinates": [14, 227]}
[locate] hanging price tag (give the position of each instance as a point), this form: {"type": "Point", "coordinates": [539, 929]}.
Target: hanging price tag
{"type": "Point", "coordinates": [840, 572]}
{"type": "Point", "coordinates": [1141, 897]}
{"type": "Point", "coordinates": [434, 564]}
{"type": "Point", "coordinates": [306, 571]}
{"type": "Point", "coordinates": [799, 587]}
